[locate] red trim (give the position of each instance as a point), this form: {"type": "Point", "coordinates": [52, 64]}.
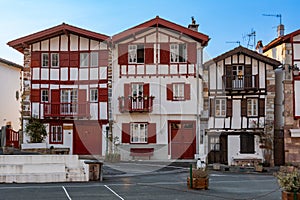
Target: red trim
{"type": "Point", "coordinates": [123, 54]}
{"type": "Point", "coordinates": [35, 95]}
{"type": "Point", "coordinates": [125, 133]}
{"type": "Point", "coordinates": [159, 22]}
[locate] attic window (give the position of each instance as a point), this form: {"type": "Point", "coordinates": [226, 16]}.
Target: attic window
{"type": "Point", "coordinates": [136, 53]}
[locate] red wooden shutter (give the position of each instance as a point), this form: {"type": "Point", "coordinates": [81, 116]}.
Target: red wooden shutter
{"type": "Point", "coordinates": [261, 107]}
{"type": "Point", "coordinates": [83, 107]}
{"type": "Point", "coordinates": [125, 133]}
{"type": "Point", "coordinates": [35, 59]}
{"type": "Point", "coordinates": [192, 52]}
{"type": "Point", "coordinates": [35, 95]}
{"type": "Point", "coordinates": [149, 53]}
{"type": "Point", "coordinates": [74, 59]}
{"type": "Point", "coordinates": [127, 93]}
{"type": "Point", "coordinates": [103, 58]}
{"type": "Point", "coordinates": [123, 54]}
{"type": "Point", "coordinates": [55, 99]}
{"type": "Point", "coordinates": [187, 91]}
{"type": "Point", "coordinates": [244, 107]}
{"type": "Point", "coordinates": [146, 89]}
{"type": "Point", "coordinates": [164, 53]}
{"type": "Point", "coordinates": [169, 92]}
{"type": "Point", "coordinates": [103, 95]}
{"type": "Point", "coordinates": [152, 133]}
{"type": "Point", "coordinates": [64, 60]}
{"type": "Point", "coordinates": [229, 108]}
{"type": "Point", "coordinates": [211, 107]}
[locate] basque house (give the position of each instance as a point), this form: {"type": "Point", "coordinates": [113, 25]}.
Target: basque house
{"type": "Point", "coordinates": [65, 86]}
{"type": "Point", "coordinates": [155, 92]}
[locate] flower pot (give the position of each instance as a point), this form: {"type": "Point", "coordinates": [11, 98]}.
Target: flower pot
{"type": "Point", "coordinates": [198, 183]}
{"type": "Point", "coordinates": [290, 195]}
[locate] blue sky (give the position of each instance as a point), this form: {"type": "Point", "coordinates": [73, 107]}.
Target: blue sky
{"type": "Point", "coordinates": [222, 20]}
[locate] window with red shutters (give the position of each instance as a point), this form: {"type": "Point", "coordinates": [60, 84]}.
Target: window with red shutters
{"type": "Point", "coordinates": [103, 94]}
{"type": "Point", "coordinates": [152, 133]}
{"type": "Point", "coordinates": [164, 53]}
{"type": "Point", "coordinates": [192, 53]}
{"type": "Point", "coordinates": [64, 59]}
{"type": "Point", "coordinates": [178, 92]}
{"type": "Point", "coordinates": [125, 133]}
{"type": "Point", "coordinates": [187, 91]}
{"type": "Point", "coordinates": [149, 53]}
{"type": "Point", "coordinates": [35, 95]}
{"type": "Point", "coordinates": [74, 59]}
{"type": "Point", "coordinates": [103, 58]}
{"type": "Point", "coordinates": [169, 92]}
{"type": "Point", "coordinates": [123, 54]}
{"type": "Point", "coordinates": [35, 59]}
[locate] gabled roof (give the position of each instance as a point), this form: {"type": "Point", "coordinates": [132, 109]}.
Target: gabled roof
{"type": "Point", "coordinates": [159, 22]}
{"type": "Point", "coordinates": [12, 64]}
{"type": "Point", "coordinates": [280, 40]}
{"type": "Point", "coordinates": [22, 42]}
{"type": "Point", "coordinates": [247, 52]}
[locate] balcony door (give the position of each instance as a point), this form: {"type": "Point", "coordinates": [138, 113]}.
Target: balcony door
{"type": "Point", "coordinates": [238, 77]}
{"type": "Point", "coordinates": [69, 100]}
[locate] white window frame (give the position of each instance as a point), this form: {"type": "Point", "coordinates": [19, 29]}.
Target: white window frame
{"type": "Point", "coordinates": [178, 53]}
{"type": "Point", "coordinates": [56, 134]}
{"type": "Point", "coordinates": [252, 107]}
{"type": "Point", "coordinates": [132, 54]}
{"type": "Point", "coordinates": [94, 57]}
{"type": "Point", "coordinates": [178, 91]}
{"type": "Point", "coordinates": [44, 95]}
{"type": "Point", "coordinates": [137, 89]}
{"type": "Point", "coordinates": [69, 100]}
{"type": "Point", "coordinates": [54, 59]}
{"type": "Point", "coordinates": [93, 95]}
{"type": "Point", "coordinates": [45, 59]}
{"type": "Point", "coordinates": [84, 59]}
{"type": "Point", "coordinates": [139, 133]}
{"type": "Point", "coordinates": [220, 107]}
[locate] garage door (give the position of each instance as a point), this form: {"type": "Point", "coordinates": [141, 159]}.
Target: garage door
{"type": "Point", "coordinates": [182, 139]}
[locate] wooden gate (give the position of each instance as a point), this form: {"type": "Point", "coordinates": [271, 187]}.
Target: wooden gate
{"type": "Point", "coordinates": [12, 138]}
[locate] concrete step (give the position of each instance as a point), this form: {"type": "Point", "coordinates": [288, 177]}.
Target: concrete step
{"type": "Point", "coordinates": [32, 168]}
{"type": "Point", "coordinates": [79, 177]}
{"type": "Point", "coordinates": [33, 178]}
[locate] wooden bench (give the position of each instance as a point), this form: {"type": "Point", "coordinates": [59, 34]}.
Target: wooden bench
{"type": "Point", "coordinates": [142, 152]}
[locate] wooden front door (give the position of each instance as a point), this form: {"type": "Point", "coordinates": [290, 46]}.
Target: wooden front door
{"type": "Point", "coordinates": [182, 139]}
{"type": "Point", "coordinates": [87, 138]}
{"type": "Point", "coordinates": [217, 149]}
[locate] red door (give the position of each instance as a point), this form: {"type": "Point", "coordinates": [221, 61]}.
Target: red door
{"type": "Point", "coordinates": [87, 138]}
{"type": "Point", "coordinates": [182, 139]}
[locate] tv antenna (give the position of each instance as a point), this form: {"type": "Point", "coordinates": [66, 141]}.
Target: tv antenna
{"type": "Point", "coordinates": [250, 37]}
{"type": "Point", "coordinates": [275, 15]}
{"type": "Point", "coordinates": [236, 42]}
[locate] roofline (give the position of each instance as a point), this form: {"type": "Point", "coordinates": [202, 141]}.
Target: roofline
{"type": "Point", "coordinates": [20, 43]}
{"type": "Point", "coordinates": [246, 51]}
{"type": "Point", "coordinates": [155, 22]}
{"type": "Point", "coordinates": [280, 40]}
{"type": "Point", "coordinates": [7, 62]}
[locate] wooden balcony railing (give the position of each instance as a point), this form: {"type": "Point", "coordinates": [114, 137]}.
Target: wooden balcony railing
{"type": "Point", "coordinates": [246, 82]}
{"type": "Point", "coordinates": [66, 109]}
{"type": "Point", "coordinates": [136, 104]}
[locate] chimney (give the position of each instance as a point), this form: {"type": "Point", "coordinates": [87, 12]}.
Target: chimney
{"type": "Point", "coordinates": [280, 30]}
{"type": "Point", "coordinates": [259, 47]}
{"type": "Point", "coordinates": [193, 26]}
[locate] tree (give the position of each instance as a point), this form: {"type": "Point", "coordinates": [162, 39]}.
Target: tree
{"type": "Point", "coordinates": [36, 130]}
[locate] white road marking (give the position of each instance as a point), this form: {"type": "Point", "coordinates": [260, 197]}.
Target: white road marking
{"type": "Point", "coordinates": [113, 192]}
{"type": "Point", "coordinates": [66, 193]}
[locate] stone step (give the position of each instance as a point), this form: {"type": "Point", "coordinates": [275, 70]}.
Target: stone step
{"type": "Point", "coordinates": [33, 178]}
{"type": "Point", "coordinates": [70, 177]}
{"type": "Point", "coordinates": [32, 168]}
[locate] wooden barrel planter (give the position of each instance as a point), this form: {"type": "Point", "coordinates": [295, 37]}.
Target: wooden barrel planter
{"type": "Point", "coordinates": [290, 195]}
{"type": "Point", "coordinates": [200, 179]}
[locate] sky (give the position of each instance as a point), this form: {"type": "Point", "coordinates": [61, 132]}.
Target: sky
{"type": "Point", "coordinates": [224, 21]}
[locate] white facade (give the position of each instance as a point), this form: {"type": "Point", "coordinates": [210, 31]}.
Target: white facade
{"type": "Point", "coordinates": [10, 101]}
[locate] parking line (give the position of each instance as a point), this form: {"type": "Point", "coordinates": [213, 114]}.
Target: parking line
{"type": "Point", "coordinates": [66, 193]}
{"type": "Point", "coordinates": [113, 192]}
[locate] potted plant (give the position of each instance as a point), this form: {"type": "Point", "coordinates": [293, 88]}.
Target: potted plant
{"type": "Point", "coordinates": [36, 130]}
{"type": "Point", "coordinates": [289, 181]}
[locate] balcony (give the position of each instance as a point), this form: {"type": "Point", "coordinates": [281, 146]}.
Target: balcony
{"type": "Point", "coordinates": [240, 83]}
{"type": "Point", "coordinates": [66, 110]}
{"type": "Point", "coordinates": [136, 104]}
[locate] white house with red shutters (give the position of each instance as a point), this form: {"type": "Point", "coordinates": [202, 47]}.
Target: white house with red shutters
{"type": "Point", "coordinates": [156, 100]}
{"type": "Point", "coordinates": [65, 85]}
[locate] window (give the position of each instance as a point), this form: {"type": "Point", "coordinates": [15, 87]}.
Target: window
{"type": "Point", "coordinates": [94, 95]}
{"type": "Point", "coordinates": [252, 107]}
{"type": "Point", "coordinates": [54, 60]}
{"type": "Point", "coordinates": [178, 53]}
{"type": "Point", "coordinates": [45, 59]}
{"type": "Point", "coordinates": [56, 134]}
{"type": "Point", "coordinates": [220, 107]}
{"type": "Point", "coordinates": [137, 89]}
{"type": "Point", "coordinates": [136, 53]}
{"type": "Point", "coordinates": [214, 143]}
{"type": "Point", "coordinates": [178, 91]}
{"type": "Point", "coordinates": [94, 59]}
{"type": "Point", "coordinates": [45, 95]}
{"type": "Point", "coordinates": [238, 77]}
{"type": "Point", "coordinates": [69, 99]}
{"type": "Point", "coordinates": [246, 143]}
{"type": "Point", "coordinates": [84, 59]}
{"type": "Point", "coordinates": [138, 132]}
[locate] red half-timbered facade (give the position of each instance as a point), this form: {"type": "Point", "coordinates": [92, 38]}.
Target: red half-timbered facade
{"type": "Point", "coordinates": [65, 82]}
{"type": "Point", "coordinates": [154, 90]}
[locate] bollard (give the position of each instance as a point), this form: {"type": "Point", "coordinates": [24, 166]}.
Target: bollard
{"type": "Point", "coordinates": [191, 175]}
